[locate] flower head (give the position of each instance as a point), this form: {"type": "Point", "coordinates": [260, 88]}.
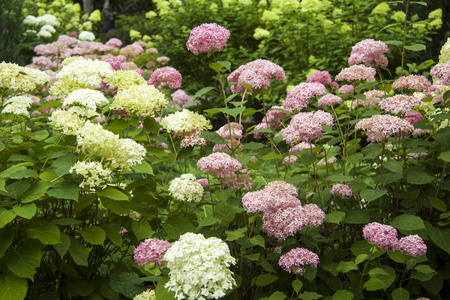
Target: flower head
{"type": "Point", "coordinates": [296, 259]}
{"type": "Point", "coordinates": [185, 188]}
{"type": "Point", "coordinates": [94, 175]}
{"type": "Point", "coordinates": [383, 236]}
{"type": "Point", "coordinates": [183, 122]}
{"type": "Point", "coordinates": [356, 73]}
{"type": "Point", "coordinates": [369, 52]}
{"type": "Point", "coordinates": [199, 267]}
{"type": "Point", "coordinates": [382, 127]}
{"type": "Point", "coordinates": [341, 189]}
{"type": "Point", "coordinates": [299, 96]}
{"type": "Point", "coordinates": [412, 245]}
{"type": "Point", "coordinates": [330, 100]}
{"type": "Point", "coordinates": [151, 251]}
{"type": "Point", "coordinates": [180, 97]}
{"type": "Point", "coordinates": [166, 76]}
{"type": "Point", "coordinates": [207, 38]}
{"type": "Point", "coordinates": [322, 77]}
{"type": "Point", "coordinates": [220, 164]}
{"type": "Point", "coordinates": [114, 42]}
{"type": "Point", "coordinates": [87, 98]}
{"type": "Point", "coordinates": [412, 82]}
{"type": "Point", "coordinates": [399, 104]}
{"type": "Point", "coordinates": [413, 117]}
{"type": "Point", "coordinates": [141, 99]}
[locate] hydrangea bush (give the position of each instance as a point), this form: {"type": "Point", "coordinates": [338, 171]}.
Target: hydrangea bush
{"type": "Point", "coordinates": [104, 196]}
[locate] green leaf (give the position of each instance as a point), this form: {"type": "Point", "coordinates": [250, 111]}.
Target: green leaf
{"type": "Point", "coordinates": [64, 163]}
{"type": "Point", "coordinates": [394, 166]}
{"type": "Point", "coordinates": [278, 296]}
{"type": "Point", "coordinates": [346, 266]}
{"type": "Point", "coordinates": [202, 92]}
{"type": "Point", "coordinates": [360, 258]}
{"type": "Point", "coordinates": [143, 168]}
{"type": "Point", "coordinates": [425, 269]}
{"type": "Point", "coordinates": [396, 43]}
{"type": "Point", "coordinates": [6, 239]}
{"type": "Point", "coordinates": [343, 295]}
{"type": "Point", "coordinates": [438, 204]}
{"type": "Point", "coordinates": [80, 287]}
{"type": "Point", "coordinates": [118, 207]}
{"type": "Point", "coordinates": [15, 168]}
{"type": "Point", "coordinates": [354, 158]}
{"type": "Point", "coordinates": [397, 256]}
{"type": "Point", "coordinates": [258, 240]}
{"type": "Point", "coordinates": [50, 104]}
{"type": "Point", "coordinates": [310, 296]}
{"type": "Point", "coordinates": [213, 137]}
{"type": "Point", "coordinates": [12, 287]}
{"type": "Point", "coordinates": [48, 233]}
{"type": "Point", "coordinates": [161, 292]}
{"type": "Point", "coordinates": [26, 211]}
{"type": "Point", "coordinates": [235, 234]}
{"type": "Point", "coordinates": [380, 278]}
{"type": "Point", "coordinates": [112, 193]}
{"type": "Point", "coordinates": [400, 294]}
{"type": "Point", "coordinates": [308, 158]}
{"type": "Point", "coordinates": [129, 284]}
{"type": "Point", "coordinates": [6, 216]}
{"type": "Point", "coordinates": [151, 125]}
{"type": "Point", "coordinates": [208, 221]}
{"type": "Point", "coordinates": [297, 285]}
{"type": "Point", "coordinates": [265, 279]}
{"type": "Point", "coordinates": [176, 226]}
{"type": "Point", "coordinates": [233, 111]}
{"type": "Point", "coordinates": [416, 47]}
{"type": "Point", "coordinates": [335, 217]}
{"type": "Point", "coordinates": [36, 191]}
{"type": "Point", "coordinates": [93, 235]}
{"type": "Point", "coordinates": [356, 216]}
{"type": "Point", "coordinates": [112, 234]}
{"type": "Point", "coordinates": [254, 256]}
{"type": "Point", "coordinates": [253, 146]}
{"type": "Point", "coordinates": [418, 176]}
{"type": "Point", "coordinates": [23, 260]}
{"type": "Point", "coordinates": [439, 236]}
{"type": "Point", "coordinates": [225, 64]}
{"type": "Point", "coordinates": [370, 195]}
{"type": "Point", "coordinates": [64, 246]}
{"type": "Point", "coordinates": [445, 156]}
{"type": "Point", "coordinates": [271, 155]}
{"type": "Point", "coordinates": [339, 178]}
{"type": "Point", "coordinates": [64, 190]}
{"type": "Point", "coordinates": [78, 252]}
{"type": "Point", "coordinates": [141, 230]}
{"type": "Point", "coordinates": [407, 222]}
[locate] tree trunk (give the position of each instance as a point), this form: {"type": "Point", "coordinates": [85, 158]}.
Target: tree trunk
{"type": "Point", "coordinates": [88, 6]}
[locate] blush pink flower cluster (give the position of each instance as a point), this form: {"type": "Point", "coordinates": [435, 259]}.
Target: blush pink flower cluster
{"type": "Point", "coordinates": [306, 126]}
{"type": "Point", "coordinates": [322, 77]}
{"type": "Point", "coordinates": [381, 127]}
{"type": "Point", "coordinates": [180, 97]}
{"type": "Point", "coordinates": [414, 117]}
{"type": "Point", "coordinates": [412, 82]}
{"type": "Point", "coordinates": [369, 52]}
{"type": "Point", "coordinates": [235, 129]}
{"type": "Point", "coordinates": [166, 76]}
{"type": "Point", "coordinates": [256, 73]}
{"type": "Point", "coordinates": [272, 120]}
{"type": "Point", "coordinates": [346, 89]}
{"type": "Point", "coordinates": [151, 251]}
{"type": "Point", "coordinates": [330, 100]}
{"type": "Point", "coordinates": [207, 38]}
{"type": "Point", "coordinates": [341, 189]}
{"type": "Point", "coordinates": [219, 164]}
{"type": "Point", "coordinates": [441, 71]}
{"type": "Point", "coordinates": [299, 96]}
{"type": "Point", "coordinates": [357, 73]}
{"type": "Point", "coordinates": [399, 104]}
{"type": "Point", "coordinates": [296, 259]}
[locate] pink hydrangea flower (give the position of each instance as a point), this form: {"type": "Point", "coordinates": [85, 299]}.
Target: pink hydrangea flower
{"type": "Point", "coordinates": [67, 40]}
{"type": "Point", "coordinates": [151, 251]}
{"type": "Point", "coordinates": [414, 117]}
{"type": "Point", "coordinates": [399, 104]}
{"type": "Point", "coordinates": [256, 73]}
{"type": "Point", "coordinates": [322, 77]}
{"type": "Point", "coordinates": [116, 62]}
{"type": "Point", "coordinates": [412, 245]}
{"type": "Point", "coordinates": [166, 76]}
{"type": "Point", "coordinates": [203, 182]}
{"type": "Point", "coordinates": [296, 259]}
{"type": "Point", "coordinates": [299, 96]}
{"type": "Point", "coordinates": [219, 164]}
{"type": "Point", "coordinates": [290, 159]}
{"type": "Point", "coordinates": [382, 127]}
{"type": "Point", "coordinates": [193, 139]}
{"type": "Point", "coordinates": [235, 129]}
{"type": "Point", "coordinates": [439, 71]}
{"type": "Point", "coordinates": [114, 42]}
{"type": "Point", "coordinates": [369, 52]}
{"type": "Point", "coordinates": [347, 89]}
{"type": "Point", "coordinates": [330, 100]}
{"type": "Point", "coordinates": [301, 146]}
{"type": "Point", "coordinates": [207, 38]}
{"type": "Point", "coordinates": [180, 97]}
{"type": "Point", "coordinates": [383, 236]}
{"type": "Point", "coordinates": [330, 161]}
{"type": "Point", "coordinates": [341, 189]}
{"type": "Point", "coordinates": [314, 215]}
{"type": "Point", "coordinates": [373, 97]}
{"type": "Point", "coordinates": [357, 73]}
{"type": "Point", "coordinates": [284, 222]}
{"type": "Point", "coordinates": [412, 82]}
{"type": "Point", "coordinates": [236, 181]}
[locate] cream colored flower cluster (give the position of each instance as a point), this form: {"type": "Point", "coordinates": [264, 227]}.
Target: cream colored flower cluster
{"type": "Point", "coordinates": [146, 295]}
{"type": "Point", "coordinates": [119, 153]}
{"type": "Point", "coordinates": [125, 79]}
{"type": "Point", "coordinates": [66, 121]}
{"type": "Point", "coordinates": [87, 98]}
{"type": "Point", "coordinates": [185, 188]}
{"type": "Point", "coordinates": [93, 173]}
{"type": "Point", "coordinates": [184, 121]}
{"type": "Point", "coordinates": [199, 267]}
{"type": "Point", "coordinates": [80, 74]}
{"type": "Point", "coordinates": [18, 106]}
{"type": "Point", "coordinates": [17, 78]}
{"type": "Point", "coordinates": [445, 52]}
{"type": "Point", "coordinates": [140, 99]}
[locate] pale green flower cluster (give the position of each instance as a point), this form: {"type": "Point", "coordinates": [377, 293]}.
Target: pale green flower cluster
{"type": "Point", "coordinates": [445, 52]}
{"type": "Point", "coordinates": [286, 6]}
{"type": "Point", "coordinates": [381, 9]}
{"type": "Point", "coordinates": [269, 16]}
{"type": "Point", "coordinates": [163, 7]}
{"type": "Point", "coordinates": [245, 2]}
{"type": "Point", "coordinates": [184, 121]}
{"type": "Point", "coordinates": [185, 188]}
{"type": "Point", "coordinates": [80, 74]}
{"type": "Point", "coordinates": [140, 99]}
{"type": "Point", "coordinates": [214, 7]}
{"type": "Point", "coordinates": [119, 153]}
{"type": "Point", "coordinates": [345, 28]}
{"type": "Point", "coordinates": [87, 98]}
{"type": "Point", "coordinates": [311, 6]}
{"type": "Point", "coordinates": [93, 173]}
{"type": "Point", "coordinates": [435, 14]}
{"type": "Point", "coordinates": [399, 16]}
{"type": "Point", "coordinates": [125, 79]}
{"type": "Point", "coordinates": [146, 295]}
{"type": "Point", "coordinates": [260, 33]}
{"type": "Point", "coordinates": [17, 78]}
{"type": "Point", "coordinates": [66, 121]}
{"type": "Point", "coordinates": [86, 36]}
{"type": "Point", "coordinates": [95, 16]}
{"type": "Point", "coordinates": [18, 106]}
{"type": "Point", "coordinates": [199, 267]}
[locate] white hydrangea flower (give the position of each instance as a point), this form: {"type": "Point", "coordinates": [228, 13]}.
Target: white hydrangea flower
{"type": "Point", "coordinates": [185, 188]}
{"type": "Point", "coordinates": [15, 77]}
{"type": "Point", "coordinates": [123, 79]}
{"type": "Point", "coordinates": [30, 20]}
{"type": "Point", "coordinates": [47, 19]}
{"type": "Point", "coordinates": [66, 121]}
{"type": "Point", "coordinates": [146, 295]}
{"type": "Point", "coordinates": [87, 98]}
{"type": "Point", "coordinates": [17, 109]}
{"type": "Point", "coordinates": [26, 101]}
{"type": "Point", "coordinates": [93, 173]}
{"type": "Point", "coordinates": [127, 154]}
{"type": "Point", "coordinates": [86, 36]}
{"type": "Point", "coordinates": [83, 112]}
{"type": "Point", "coordinates": [445, 52]}
{"type": "Point", "coordinates": [48, 28]}
{"type": "Point", "coordinates": [185, 121]}
{"type": "Point", "coordinates": [199, 267]}
{"type": "Point", "coordinates": [140, 99]}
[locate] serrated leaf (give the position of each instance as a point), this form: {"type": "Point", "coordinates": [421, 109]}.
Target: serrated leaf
{"type": "Point", "coordinates": [151, 125]}
{"type": "Point", "coordinates": [48, 233]}
{"type": "Point", "coordinates": [12, 287]}
{"type": "Point", "coordinates": [118, 207]}
{"type": "Point", "coordinates": [310, 296]}
{"type": "Point", "coordinates": [26, 211]}
{"type": "Point", "coordinates": [346, 266]}
{"type": "Point", "coordinates": [360, 258]}
{"type": "Point", "coordinates": [202, 92]}
{"type": "Point", "coordinates": [418, 176]}
{"type": "Point", "coordinates": [416, 47]}
{"type": "Point", "coordinates": [141, 230]}
{"type": "Point", "coordinates": [343, 295]}
{"type": "Point", "coordinates": [208, 221]}
{"type": "Point", "coordinates": [335, 217]}
{"type": "Point", "coordinates": [407, 222]}
{"type": "Point", "coordinates": [297, 285]}
{"type": "Point", "coordinates": [23, 260]}
{"type": "Point", "coordinates": [112, 234]}
{"type": "Point", "coordinates": [6, 216]}
{"type": "Point", "coordinates": [6, 239]}
{"type": "Point", "coordinates": [64, 163]}
{"type": "Point", "coordinates": [129, 284]}
{"type": "Point", "coordinates": [176, 226]}
{"type": "Point", "coordinates": [113, 193]}
{"type": "Point", "coordinates": [370, 195]}
{"type": "Point", "coordinates": [400, 294]}
{"type": "Point", "coordinates": [36, 191]}
{"type": "Point", "coordinates": [213, 137]}
{"type": "Point", "coordinates": [258, 240]}
{"type": "Point", "coordinates": [265, 279]}
{"type": "Point", "coordinates": [445, 156]}
{"type": "Point", "coordinates": [143, 168]}
{"type": "Point", "coordinates": [78, 252]}
{"type": "Point", "coordinates": [394, 166]}
{"type": "Point", "coordinates": [161, 292]}
{"type": "Point", "coordinates": [235, 234]}
{"type": "Point", "coordinates": [439, 236]}
{"type": "Point", "coordinates": [93, 235]}
{"type": "Point", "coordinates": [278, 296]}
{"type": "Point", "coordinates": [438, 204]}
{"type": "Point", "coordinates": [64, 246]}
{"type": "Point", "coordinates": [356, 216]}
{"type": "Point", "coordinates": [64, 190]}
